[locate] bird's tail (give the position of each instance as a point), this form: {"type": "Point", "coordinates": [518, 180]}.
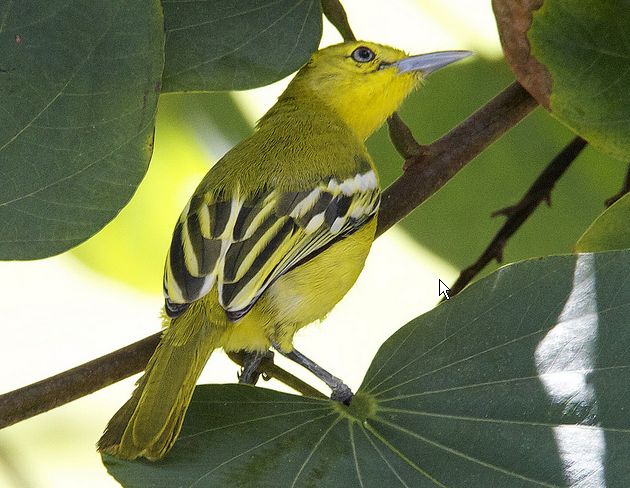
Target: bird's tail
{"type": "Point", "coordinates": [149, 422]}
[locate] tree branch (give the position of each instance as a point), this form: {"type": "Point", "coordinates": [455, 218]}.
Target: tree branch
{"type": "Point", "coordinates": [428, 170]}
{"type": "Point", "coordinates": [64, 387]}
{"type": "Point", "coordinates": [400, 134]}
{"type": "Point", "coordinates": [517, 214]}
{"type": "Point", "coordinates": [445, 157]}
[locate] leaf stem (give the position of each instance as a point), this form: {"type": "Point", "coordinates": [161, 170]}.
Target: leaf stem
{"type": "Point", "coordinates": [271, 370]}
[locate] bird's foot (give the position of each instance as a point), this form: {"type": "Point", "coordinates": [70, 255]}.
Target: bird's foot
{"type": "Point", "coordinates": [250, 373]}
{"type": "Point", "coordinates": [340, 391]}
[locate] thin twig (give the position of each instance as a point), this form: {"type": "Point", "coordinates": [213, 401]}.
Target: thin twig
{"type": "Point", "coordinates": [336, 15]}
{"type": "Point", "coordinates": [517, 214]}
{"type": "Point", "coordinates": [624, 189]}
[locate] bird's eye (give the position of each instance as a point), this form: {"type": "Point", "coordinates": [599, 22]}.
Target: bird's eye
{"type": "Point", "coordinates": [363, 54]}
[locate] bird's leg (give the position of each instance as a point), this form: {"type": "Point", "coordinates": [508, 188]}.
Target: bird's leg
{"type": "Point", "coordinates": [251, 362]}
{"type": "Point", "coordinates": [340, 391]}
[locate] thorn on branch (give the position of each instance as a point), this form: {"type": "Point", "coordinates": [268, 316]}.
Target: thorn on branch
{"type": "Point", "coordinates": [451, 152]}
{"type": "Point", "coordinates": [517, 214]}
{"type": "Point", "coordinates": [506, 212]}
{"type": "Point", "coordinates": [521, 206]}
{"type": "Point", "coordinates": [624, 189]}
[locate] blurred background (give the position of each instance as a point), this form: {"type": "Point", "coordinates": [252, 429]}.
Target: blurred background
{"type": "Point", "coordinates": [106, 293]}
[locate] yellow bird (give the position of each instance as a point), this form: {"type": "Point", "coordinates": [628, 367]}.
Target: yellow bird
{"type": "Point", "coordinates": [274, 235]}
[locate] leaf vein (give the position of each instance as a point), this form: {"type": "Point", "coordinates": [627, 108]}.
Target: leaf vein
{"type": "Point", "coordinates": [313, 450]}
{"type": "Point", "coordinates": [463, 455]}
{"type": "Point", "coordinates": [239, 46]}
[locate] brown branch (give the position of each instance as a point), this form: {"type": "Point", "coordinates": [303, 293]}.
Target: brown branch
{"type": "Point", "coordinates": [336, 15]}
{"type": "Point", "coordinates": [517, 214]}
{"type": "Point", "coordinates": [624, 189]}
{"type": "Point", "coordinates": [64, 387]}
{"type": "Point", "coordinates": [445, 157]}
{"type": "Point", "coordinates": [442, 159]}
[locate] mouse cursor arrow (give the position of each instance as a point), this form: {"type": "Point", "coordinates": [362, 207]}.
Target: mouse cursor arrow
{"type": "Point", "coordinates": [443, 289]}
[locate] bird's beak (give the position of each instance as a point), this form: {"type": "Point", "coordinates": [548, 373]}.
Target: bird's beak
{"type": "Point", "coordinates": [428, 63]}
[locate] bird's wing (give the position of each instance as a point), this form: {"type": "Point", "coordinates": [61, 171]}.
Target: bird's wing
{"type": "Point", "coordinates": [242, 245]}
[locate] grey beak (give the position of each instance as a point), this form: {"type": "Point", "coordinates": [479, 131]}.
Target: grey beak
{"type": "Point", "coordinates": [428, 63]}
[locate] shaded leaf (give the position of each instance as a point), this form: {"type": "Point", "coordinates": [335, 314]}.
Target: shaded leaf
{"type": "Point", "coordinates": [78, 100]}
{"type": "Point", "coordinates": [518, 381]}
{"type": "Point", "coordinates": [237, 44]}
{"type": "Point", "coordinates": [611, 230]}
{"type": "Point", "coordinates": [575, 58]}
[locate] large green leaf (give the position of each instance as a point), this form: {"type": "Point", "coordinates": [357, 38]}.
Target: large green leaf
{"type": "Point", "coordinates": [611, 230]}
{"type": "Point", "coordinates": [237, 44]}
{"type": "Point", "coordinates": [585, 46]}
{"type": "Point", "coordinates": [574, 57]}
{"type": "Point", "coordinates": [519, 381]}
{"type": "Point", "coordinates": [79, 84]}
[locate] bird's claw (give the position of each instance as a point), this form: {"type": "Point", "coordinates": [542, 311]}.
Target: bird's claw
{"type": "Point", "coordinates": [250, 372]}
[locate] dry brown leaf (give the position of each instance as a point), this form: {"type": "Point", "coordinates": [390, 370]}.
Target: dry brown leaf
{"type": "Point", "coordinates": [514, 18]}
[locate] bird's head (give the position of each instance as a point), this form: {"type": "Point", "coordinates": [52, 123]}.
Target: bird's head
{"type": "Point", "coordinates": [365, 82]}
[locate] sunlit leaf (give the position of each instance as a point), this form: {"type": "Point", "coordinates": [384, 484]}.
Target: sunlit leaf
{"type": "Point", "coordinates": [237, 44]}
{"type": "Point", "coordinates": [611, 230]}
{"type": "Point", "coordinates": [519, 381]}
{"type": "Point", "coordinates": [79, 84]}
